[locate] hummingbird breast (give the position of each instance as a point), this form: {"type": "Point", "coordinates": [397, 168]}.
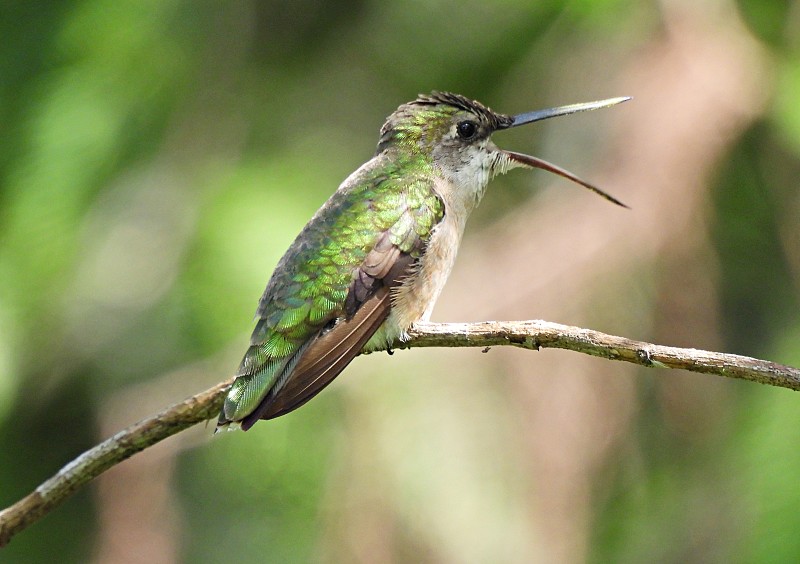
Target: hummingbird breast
{"type": "Point", "coordinates": [415, 298]}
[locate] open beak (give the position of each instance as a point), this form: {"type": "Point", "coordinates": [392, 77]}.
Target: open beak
{"type": "Point", "coordinates": [520, 159]}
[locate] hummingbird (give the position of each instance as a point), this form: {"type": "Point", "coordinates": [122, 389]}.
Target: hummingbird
{"type": "Point", "coordinates": [374, 258]}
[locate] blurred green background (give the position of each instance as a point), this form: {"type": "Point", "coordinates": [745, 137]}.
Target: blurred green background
{"type": "Point", "coordinates": [157, 157]}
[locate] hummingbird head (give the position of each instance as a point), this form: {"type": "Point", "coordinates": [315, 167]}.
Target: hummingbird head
{"type": "Point", "coordinates": [455, 132]}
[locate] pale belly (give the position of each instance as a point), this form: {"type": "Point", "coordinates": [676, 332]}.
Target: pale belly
{"type": "Point", "coordinates": [414, 300]}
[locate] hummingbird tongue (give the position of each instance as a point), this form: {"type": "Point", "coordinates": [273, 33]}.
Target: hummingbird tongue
{"type": "Point", "coordinates": [539, 115]}
{"type": "Point", "coordinates": [522, 159]}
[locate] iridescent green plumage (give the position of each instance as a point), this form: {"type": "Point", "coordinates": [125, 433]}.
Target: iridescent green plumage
{"type": "Point", "coordinates": [309, 287]}
{"type": "Point", "coordinates": [373, 260]}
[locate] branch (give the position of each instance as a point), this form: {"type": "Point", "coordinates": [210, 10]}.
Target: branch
{"type": "Point", "coordinates": [147, 432]}
{"type": "Point", "coordinates": [538, 334]}
{"type": "Point", "coordinates": [531, 335]}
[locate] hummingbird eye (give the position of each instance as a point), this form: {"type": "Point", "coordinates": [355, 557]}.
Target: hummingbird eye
{"type": "Point", "coordinates": [467, 129]}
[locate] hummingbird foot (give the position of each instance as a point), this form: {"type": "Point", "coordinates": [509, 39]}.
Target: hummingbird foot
{"type": "Point", "coordinates": [228, 426]}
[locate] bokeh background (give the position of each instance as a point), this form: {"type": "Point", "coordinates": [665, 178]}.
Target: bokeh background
{"type": "Point", "coordinates": [157, 157]}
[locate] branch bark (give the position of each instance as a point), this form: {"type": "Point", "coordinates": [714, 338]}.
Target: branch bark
{"type": "Point", "coordinates": [531, 335]}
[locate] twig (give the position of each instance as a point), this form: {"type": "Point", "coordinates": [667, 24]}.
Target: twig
{"type": "Point", "coordinates": [525, 334]}
{"type": "Point", "coordinates": [543, 334]}
{"type": "Point", "coordinates": [147, 432]}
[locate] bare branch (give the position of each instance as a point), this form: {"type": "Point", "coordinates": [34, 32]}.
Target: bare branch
{"type": "Point", "coordinates": [147, 432]}
{"type": "Point", "coordinates": [525, 334]}
{"type": "Point", "coordinates": [543, 334]}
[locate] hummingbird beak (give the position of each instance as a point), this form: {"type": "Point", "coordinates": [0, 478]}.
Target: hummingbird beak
{"type": "Point", "coordinates": [539, 115]}
{"type": "Point", "coordinates": [519, 159]}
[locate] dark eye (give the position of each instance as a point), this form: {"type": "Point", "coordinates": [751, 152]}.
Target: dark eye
{"type": "Point", "coordinates": [467, 129]}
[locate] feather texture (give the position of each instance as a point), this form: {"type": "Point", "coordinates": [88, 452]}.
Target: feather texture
{"type": "Point", "coordinates": [331, 291]}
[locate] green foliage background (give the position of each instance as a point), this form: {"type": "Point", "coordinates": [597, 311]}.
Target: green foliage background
{"type": "Point", "coordinates": [157, 157]}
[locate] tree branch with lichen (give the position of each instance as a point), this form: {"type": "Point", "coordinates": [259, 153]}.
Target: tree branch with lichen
{"type": "Point", "coordinates": [532, 335]}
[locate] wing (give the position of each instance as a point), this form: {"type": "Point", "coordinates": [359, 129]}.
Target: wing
{"type": "Point", "coordinates": [332, 290]}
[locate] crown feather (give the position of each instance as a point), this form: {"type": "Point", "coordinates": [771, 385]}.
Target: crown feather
{"type": "Point", "coordinates": [497, 121]}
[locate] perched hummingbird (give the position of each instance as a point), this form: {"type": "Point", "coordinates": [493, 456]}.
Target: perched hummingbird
{"type": "Point", "coordinates": [374, 258]}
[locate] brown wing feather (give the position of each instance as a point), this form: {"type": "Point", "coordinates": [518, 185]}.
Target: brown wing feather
{"type": "Point", "coordinates": [329, 354]}
{"type": "Point", "coordinates": [368, 304]}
